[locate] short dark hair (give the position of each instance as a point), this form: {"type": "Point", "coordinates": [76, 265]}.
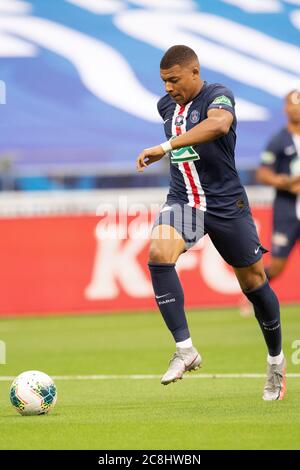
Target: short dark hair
{"type": "Point", "coordinates": [178, 55]}
{"type": "Point", "coordinates": [292, 92]}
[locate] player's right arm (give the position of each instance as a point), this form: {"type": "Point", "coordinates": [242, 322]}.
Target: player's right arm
{"type": "Point", "coordinates": [149, 156]}
{"type": "Point", "coordinates": [279, 181]}
{"type": "Point", "coordinates": [267, 173]}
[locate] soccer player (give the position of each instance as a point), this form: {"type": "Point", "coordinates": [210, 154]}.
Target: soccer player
{"type": "Point", "coordinates": [205, 197]}
{"type": "Point", "coordinates": [280, 168]}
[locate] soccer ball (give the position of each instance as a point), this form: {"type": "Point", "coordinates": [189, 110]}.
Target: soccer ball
{"type": "Point", "coordinates": [33, 393]}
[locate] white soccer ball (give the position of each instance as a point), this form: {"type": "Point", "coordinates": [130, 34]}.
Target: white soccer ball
{"type": "Point", "coordinates": [33, 393]}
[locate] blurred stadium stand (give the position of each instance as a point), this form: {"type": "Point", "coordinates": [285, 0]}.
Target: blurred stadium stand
{"type": "Point", "coordinates": [82, 82]}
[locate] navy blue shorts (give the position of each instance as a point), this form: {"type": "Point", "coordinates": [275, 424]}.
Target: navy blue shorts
{"type": "Point", "coordinates": [286, 232]}
{"type": "Point", "coordinates": [235, 239]}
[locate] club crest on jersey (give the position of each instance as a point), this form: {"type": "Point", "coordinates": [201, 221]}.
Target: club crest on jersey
{"type": "Point", "coordinates": [179, 120]}
{"type": "Point", "coordinates": [195, 116]}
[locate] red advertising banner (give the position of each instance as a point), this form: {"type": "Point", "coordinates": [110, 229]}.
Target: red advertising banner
{"type": "Point", "coordinates": [68, 264]}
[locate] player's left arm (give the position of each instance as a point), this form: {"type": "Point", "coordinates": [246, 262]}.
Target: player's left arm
{"type": "Point", "coordinates": [217, 124]}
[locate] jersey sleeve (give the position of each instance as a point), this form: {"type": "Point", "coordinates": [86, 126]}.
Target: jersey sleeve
{"type": "Point", "coordinates": [270, 155]}
{"type": "Point", "coordinates": [222, 98]}
{"type": "Point", "coordinates": [162, 106]}
{"type": "Point", "coordinates": [159, 108]}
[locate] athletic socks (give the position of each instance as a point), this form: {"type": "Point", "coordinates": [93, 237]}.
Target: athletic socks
{"type": "Point", "coordinates": [267, 313]}
{"type": "Point", "coordinates": [170, 299]}
{"type": "Point", "coordinates": [275, 359]}
{"type": "Point", "coordinates": [185, 344]}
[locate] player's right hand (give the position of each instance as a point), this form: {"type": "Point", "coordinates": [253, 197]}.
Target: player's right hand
{"type": "Point", "coordinates": [149, 156]}
{"type": "Point", "coordinates": [295, 185]}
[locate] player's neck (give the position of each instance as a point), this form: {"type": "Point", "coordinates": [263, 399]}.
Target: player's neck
{"type": "Point", "coordinates": [294, 128]}
{"type": "Point", "coordinates": [197, 91]}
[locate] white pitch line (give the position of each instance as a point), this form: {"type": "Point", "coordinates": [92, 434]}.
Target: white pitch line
{"type": "Point", "coordinates": [150, 377]}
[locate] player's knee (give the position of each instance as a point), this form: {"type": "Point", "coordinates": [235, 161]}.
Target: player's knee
{"type": "Point", "coordinates": [159, 255]}
{"type": "Point", "coordinates": [253, 280]}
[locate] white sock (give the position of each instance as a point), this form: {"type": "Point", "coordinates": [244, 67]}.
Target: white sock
{"type": "Point", "coordinates": [187, 343]}
{"type": "Point", "coordinates": [275, 359]}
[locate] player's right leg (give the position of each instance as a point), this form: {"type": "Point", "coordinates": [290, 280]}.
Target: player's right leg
{"type": "Point", "coordinates": [238, 243]}
{"type": "Point", "coordinates": [283, 242]}
{"type": "Point", "coordinates": [167, 244]}
{"type": "Point", "coordinates": [267, 313]}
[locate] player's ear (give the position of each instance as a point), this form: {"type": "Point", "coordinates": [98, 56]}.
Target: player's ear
{"type": "Point", "coordinates": [195, 71]}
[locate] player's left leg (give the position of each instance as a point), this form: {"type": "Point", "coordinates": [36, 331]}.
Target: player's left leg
{"type": "Point", "coordinates": [256, 287]}
{"type": "Point", "coordinates": [238, 243]}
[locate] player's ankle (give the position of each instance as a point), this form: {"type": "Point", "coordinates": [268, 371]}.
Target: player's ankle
{"type": "Point", "coordinates": [187, 343]}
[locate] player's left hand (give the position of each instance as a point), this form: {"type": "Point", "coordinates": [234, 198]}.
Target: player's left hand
{"type": "Point", "coordinates": [149, 156]}
{"type": "Point", "coordinates": [294, 186]}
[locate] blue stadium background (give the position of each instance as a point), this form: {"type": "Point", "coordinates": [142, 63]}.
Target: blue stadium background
{"type": "Point", "coordinates": [63, 125]}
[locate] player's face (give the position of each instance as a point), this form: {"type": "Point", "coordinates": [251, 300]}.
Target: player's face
{"type": "Point", "coordinates": [292, 107]}
{"type": "Point", "coordinates": [181, 82]}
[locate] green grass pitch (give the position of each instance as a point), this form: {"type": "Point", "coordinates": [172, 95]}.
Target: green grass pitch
{"type": "Point", "coordinates": [140, 413]}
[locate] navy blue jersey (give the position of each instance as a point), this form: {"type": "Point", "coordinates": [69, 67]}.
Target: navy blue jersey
{"type": "Point", "coordinates": [281, 156]}
{"type": "Point", "coordinates": [204, 176]}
